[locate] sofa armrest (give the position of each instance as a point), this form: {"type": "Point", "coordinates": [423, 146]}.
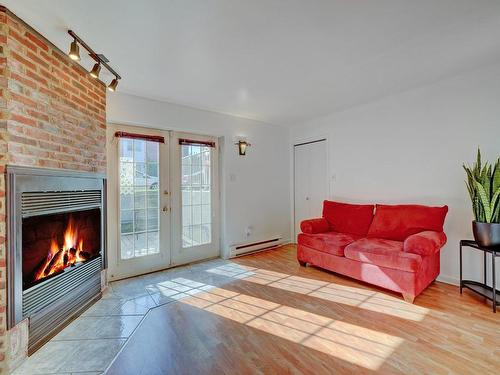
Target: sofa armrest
{"type": "Point", "coordinates": [312, 226]}
{"type": "Point", "coordinates": [424, 243]}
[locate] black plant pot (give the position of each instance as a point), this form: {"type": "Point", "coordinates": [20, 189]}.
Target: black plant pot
{"type": "Point", "coordinates": [486, 234]}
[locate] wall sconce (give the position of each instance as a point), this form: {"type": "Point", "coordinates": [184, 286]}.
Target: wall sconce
{"type": "Point", "coordinates": [242, 147]}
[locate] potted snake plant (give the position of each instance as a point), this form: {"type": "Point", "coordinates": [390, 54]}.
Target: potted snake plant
{"type": "Point", "coordinates": [483, 183]}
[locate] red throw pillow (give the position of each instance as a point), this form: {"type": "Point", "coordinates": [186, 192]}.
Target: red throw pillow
{"type": "Point", "coordinates": [348, 218]}
{"type": "Point", "coordinates": [400, 221]}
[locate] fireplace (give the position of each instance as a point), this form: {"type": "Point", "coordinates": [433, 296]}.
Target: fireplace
{"type": "Point", "coordinates": [56, 237]}
{"type": "Point", "coordinates": [52, 244]}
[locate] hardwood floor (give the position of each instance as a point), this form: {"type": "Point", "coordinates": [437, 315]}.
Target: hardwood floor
{"type": "Point", "coordinates": [275, 317]}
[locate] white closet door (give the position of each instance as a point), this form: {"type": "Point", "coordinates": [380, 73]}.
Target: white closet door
{"type": "Point", "coordinates": [310, 180]}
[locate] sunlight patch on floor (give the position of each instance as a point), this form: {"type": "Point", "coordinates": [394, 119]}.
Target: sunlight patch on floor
{"type": "Point", "coordinates": [355, 344]}
{"type": "Point", "coordinates": [358, 297]}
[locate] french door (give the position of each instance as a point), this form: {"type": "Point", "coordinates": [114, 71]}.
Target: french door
{"type": "Point", "coordinates": [162, 200]}
{"type": "Point", "coordinates": [139, 238]}
{"type": "Point", "coordinates": [195, 198]}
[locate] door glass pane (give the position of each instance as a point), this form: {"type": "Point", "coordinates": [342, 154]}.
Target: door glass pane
{"type": "Point", "coordinates": [196, 191]}
{"type": "Point", "coordinates": [139, 198]}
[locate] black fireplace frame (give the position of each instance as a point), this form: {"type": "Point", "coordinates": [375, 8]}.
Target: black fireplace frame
{"type": "Point", "coordinates": [51, 304]}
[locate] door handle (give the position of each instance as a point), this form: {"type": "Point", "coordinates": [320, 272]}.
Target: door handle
{"type": "Point", "coordinates": [165, 209]}
{"type": "Point", "coordinates": [307, 198]}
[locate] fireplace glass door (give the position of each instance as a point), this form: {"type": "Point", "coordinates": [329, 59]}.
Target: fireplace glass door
{"type": "Point", "coordinates": [56, 243]}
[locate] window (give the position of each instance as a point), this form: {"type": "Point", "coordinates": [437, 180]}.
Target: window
{"type": "Point", "coordinates": [139, 198]}
{"type": "Point", "coordinates": [196, 195]}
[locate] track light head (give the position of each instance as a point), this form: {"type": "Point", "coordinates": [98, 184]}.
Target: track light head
{"type": "Point", "coordinates": [74, 51]}
{"type": "Point", "coordinates": [113, 84]}
{"type": "Point", "coordinates": [95, 70]}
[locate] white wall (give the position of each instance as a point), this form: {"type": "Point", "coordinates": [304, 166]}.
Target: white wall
{"type": "Point", "coordinates": [255, 188]}
{"type": "Point", "coordinates": [410, 148]}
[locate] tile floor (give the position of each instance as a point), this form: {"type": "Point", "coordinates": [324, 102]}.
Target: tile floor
{"type": "Point", "coordinates": [89, 344]}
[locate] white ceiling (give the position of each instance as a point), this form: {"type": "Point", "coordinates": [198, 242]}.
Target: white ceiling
{"type": "Point", "coordinates": [279, 61]}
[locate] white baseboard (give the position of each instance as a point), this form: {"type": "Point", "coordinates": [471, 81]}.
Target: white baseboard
{"type": "Point", "coordinates": [448, 280]}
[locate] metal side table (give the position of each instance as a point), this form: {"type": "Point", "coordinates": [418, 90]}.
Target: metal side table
{"type": "Point", "coordinates": [482, 289]}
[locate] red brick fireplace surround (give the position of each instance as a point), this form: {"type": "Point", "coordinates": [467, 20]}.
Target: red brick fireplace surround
{"type": "Point", "coordinates": [52, 115]}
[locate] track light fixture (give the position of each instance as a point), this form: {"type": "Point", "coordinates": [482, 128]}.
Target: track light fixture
{"type": "Point", "coordinates": [113, 84]}
{"type": "Point", "coordinates": [74, 51]}
{"type": "Point", "coordinates": [101, 60]}
{"type": "Point", "coordinates": [95, 70]}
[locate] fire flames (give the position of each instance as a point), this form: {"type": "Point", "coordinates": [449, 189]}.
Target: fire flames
{"type": "Point", "coordinates": [59, 257]}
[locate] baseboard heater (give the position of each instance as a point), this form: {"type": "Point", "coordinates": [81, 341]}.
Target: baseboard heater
{"type": "Point", "coordinates": [247, 248]}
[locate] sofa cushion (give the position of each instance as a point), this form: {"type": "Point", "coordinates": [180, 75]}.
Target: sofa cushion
{"type": "Point", "coordinates": [383, 253]}
{"type": "Point", "coordinates": [329, 242]}
{"type": "Point", "coordinates": [424, 243]}
{"type": "Point", "coordinates": [348, 218]}
{"type": "Point", "coordinates": [400, 221]}
{"type": "Point", "coordinates": [315, 226]}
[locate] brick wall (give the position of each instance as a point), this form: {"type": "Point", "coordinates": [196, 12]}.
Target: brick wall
{"type": "Point", "coordinates": [3, 162]}
{"type": "Point", "coordinates": [52, 114]}
{"type": "Point", "coordinates": [56, 109]}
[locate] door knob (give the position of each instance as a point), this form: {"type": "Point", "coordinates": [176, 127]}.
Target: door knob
{"type": "Point", "coordinates": [307, 198]}
{"type": "Point", "coordinates": [165, 209]}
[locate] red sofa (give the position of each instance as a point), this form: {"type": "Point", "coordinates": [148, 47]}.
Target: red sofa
{"type": "Point", "coordinates": [394, 247]}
